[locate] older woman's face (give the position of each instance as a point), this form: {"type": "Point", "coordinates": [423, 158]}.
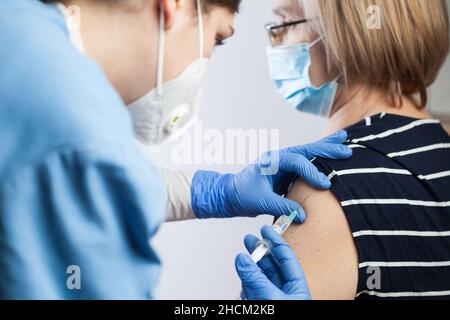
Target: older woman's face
{"type": "Point", "coordinates": [290, 11]}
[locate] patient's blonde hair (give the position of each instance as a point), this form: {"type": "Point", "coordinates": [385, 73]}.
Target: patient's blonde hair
{"type": "Point", "coordinates": [402, 57]}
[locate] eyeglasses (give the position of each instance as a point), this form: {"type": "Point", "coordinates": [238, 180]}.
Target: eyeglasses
{"type": "Point", "coordinates": [277, 32]}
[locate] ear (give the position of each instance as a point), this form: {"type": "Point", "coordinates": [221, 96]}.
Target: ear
{"type": "Point", "coordinates": [169, 8]}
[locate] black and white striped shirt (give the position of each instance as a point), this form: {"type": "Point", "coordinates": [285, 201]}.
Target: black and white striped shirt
{"type": "Point", "coordinates": [395, 192]}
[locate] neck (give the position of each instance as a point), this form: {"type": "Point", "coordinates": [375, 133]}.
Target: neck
{"type": "Point", "coordinates": [359, 102]}
{"type": "Point", "coordinates": [122, 39]}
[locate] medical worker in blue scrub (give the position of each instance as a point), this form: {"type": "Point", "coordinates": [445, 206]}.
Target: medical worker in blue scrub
{"type": "Point", "coordinates": [76, 192]}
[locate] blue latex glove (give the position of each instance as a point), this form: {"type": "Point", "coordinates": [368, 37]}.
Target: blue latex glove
{"type": "Point", "coordinates": [257, 190]}
{"type": "Point", "coordinates": [278, 276]}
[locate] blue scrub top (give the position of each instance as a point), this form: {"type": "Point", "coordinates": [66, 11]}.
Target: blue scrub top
{"type": "Point", "coordinates": [78, 201]}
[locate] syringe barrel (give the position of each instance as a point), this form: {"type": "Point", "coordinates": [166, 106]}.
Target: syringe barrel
{"type": "Point", "coordinates": [282, 224]}
{"type": "Point", "coordinates": [262, 249]}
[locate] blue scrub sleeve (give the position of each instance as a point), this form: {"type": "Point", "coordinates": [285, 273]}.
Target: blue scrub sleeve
{"type": "Point", "coordinates": [80, 227]}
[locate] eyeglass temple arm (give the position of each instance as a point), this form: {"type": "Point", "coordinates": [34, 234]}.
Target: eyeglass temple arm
{"type": "Point", "coordinates": [284, 25]}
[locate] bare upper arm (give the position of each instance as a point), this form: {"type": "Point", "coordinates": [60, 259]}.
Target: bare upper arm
{"type": "Point", "coordinates": [324, 244]}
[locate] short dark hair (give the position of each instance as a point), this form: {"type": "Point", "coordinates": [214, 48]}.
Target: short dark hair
{"type": "Point", "coordinates": [232, 5]}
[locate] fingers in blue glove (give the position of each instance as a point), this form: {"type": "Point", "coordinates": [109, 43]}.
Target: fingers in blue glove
{"type": "Point", "coordinates": [288, 262]}
{"type": "Point", "coordinates": [330, 148]}
{"type": "Point", "coordinates": [278, 206]}
{"type": "Point", "coordinates": [328, 151]}
{"type": "Point", "coordinates": [339, 137]}
{"type": "Point", "coordinates": [300, 165]}
{"type": "Point", "coordinates": [267, 264]}
{"type": "Point", "coordinates": [255, 284]}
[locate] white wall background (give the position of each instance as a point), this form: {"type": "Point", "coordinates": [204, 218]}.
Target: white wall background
{"type": "Point", "coordinates": [198, 256]}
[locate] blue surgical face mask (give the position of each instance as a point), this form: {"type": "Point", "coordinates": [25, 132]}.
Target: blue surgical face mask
{"type": "Point", "coordinates": [289, 68]}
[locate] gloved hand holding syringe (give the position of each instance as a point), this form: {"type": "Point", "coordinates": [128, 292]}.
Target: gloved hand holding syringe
{"type": "Point", "coordinates": [281, 225]}
{"type": "Point", "coordinates": [257, 271]}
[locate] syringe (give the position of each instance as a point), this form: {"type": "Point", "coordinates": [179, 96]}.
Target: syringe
{"type": "Point", "coordinates": [280, 226]}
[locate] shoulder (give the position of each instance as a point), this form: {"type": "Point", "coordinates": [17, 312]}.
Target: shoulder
{"type": "Point", "coordinates": [324, 244]}
{"type": "Point", "coordinates": [52, 96]}
{"type": "Point", "coordinates": [43, 76]}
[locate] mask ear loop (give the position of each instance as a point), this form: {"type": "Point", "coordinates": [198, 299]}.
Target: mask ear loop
{"type": "Point", "coordinates": [312, 44]}
{"type": "Point", "coordinates": [201, 30]}
{"type": "Point", "coordinates": [160, 72]}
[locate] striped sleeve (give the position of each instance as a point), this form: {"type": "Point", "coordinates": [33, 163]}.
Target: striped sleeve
{"type": "Point", "coordinates": [395, 193]}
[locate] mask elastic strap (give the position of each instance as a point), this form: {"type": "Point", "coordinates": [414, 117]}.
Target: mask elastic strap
{"type": "Point", "coordinates": [312, 44]}
{"type": "Point", "coordinates": [201, 30]}
{"type": "Point", "coordinates": [160, 72]}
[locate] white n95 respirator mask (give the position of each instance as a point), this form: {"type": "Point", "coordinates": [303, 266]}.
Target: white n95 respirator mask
{"type": "Point", "coordinates": [171, 108]}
